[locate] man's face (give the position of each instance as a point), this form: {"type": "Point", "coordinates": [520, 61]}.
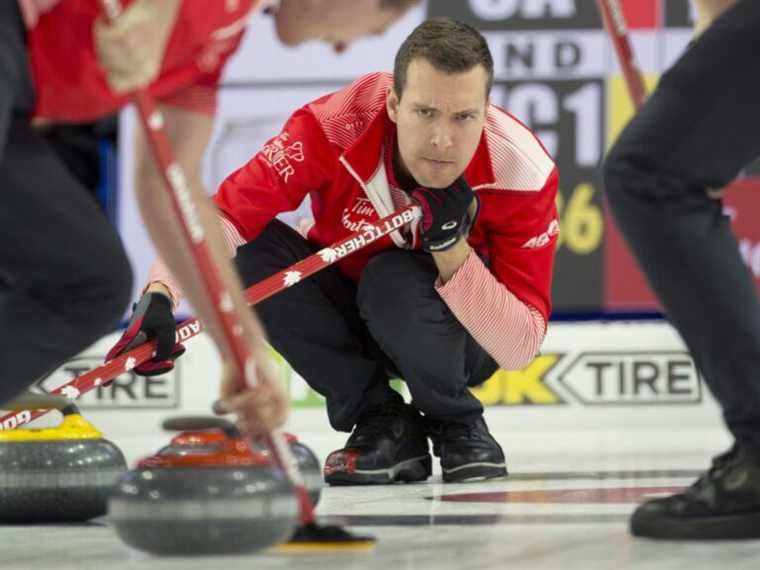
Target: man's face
{"type": "Point", "coordinates": [439, 121]}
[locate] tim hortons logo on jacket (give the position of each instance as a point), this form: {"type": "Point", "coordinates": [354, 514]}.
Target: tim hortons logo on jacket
{"type": "Point", "coordinates": [356, 217]}
{"type": "Point", "coordinates": [280, 154]}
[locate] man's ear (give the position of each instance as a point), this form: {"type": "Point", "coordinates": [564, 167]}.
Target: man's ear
{"type": "Point", "coordinates": [391, 104]}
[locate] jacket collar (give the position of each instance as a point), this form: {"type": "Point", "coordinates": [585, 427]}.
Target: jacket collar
{"type": "Point", "coordinates": [364, 160]}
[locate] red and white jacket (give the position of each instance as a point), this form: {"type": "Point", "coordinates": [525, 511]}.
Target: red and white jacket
{"type": "Point", "coordinates": [335, 150]}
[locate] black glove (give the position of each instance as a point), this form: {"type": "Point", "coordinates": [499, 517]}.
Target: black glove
{"type": "Point", "coordinates": [151, 318]}
{"type": "Point", "coordinates": [445, 214]}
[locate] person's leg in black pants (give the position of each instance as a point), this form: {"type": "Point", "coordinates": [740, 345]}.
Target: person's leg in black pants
{"type": "Point", "coordinates": [436, 356]}
{"type": "Point", "coordinates": [695, 133]}
{"type": "Point", "coordinates": [332, 342]}
{"type": "Point", "coordinates": [64, 277]}
{"type": "Point", "coordinates": [65, 280]}
{"type": "Point", "coordinates": [433, 352]}
{"type": "Point", "coordinates": [316, 327]}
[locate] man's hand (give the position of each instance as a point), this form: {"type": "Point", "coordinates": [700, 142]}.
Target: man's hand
{"type": "Point", "coordinates": [447, 214]}
{"type": "Point", "coordinates": [260, 408]}
{"type": "Point", "coordinates": [131, 48]}
{"type": "Point", "coordinates": [151, 318]}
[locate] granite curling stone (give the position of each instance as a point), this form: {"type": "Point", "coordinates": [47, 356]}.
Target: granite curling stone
{"type": "Point", "coordinates": [308, 463]}
{"type": "Point", "coordinates": [59, 474]}
{"type": "Point", "coordinates": [205, 493]}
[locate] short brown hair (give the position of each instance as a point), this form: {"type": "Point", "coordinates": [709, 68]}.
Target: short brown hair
{"type": "Point", "coordinates": [448, 45]}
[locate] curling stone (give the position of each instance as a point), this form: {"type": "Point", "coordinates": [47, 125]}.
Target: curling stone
{"type": "Point", "coordinates": [59, 474]}
{"type": "Point", "coordinates": [207, 492]}
{"type": "Point", "coordinates": [308, 465]}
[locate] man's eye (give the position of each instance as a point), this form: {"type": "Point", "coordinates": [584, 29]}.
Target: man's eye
{"type": "Point", "coordinates": [425, 113]}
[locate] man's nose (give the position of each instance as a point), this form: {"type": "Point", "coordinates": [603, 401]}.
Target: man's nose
{"type": "Point", "coordinates": [441, 137]}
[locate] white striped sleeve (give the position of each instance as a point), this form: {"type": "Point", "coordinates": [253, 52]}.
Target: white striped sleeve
{"type": "Point", "coordinates": [160, 273]}
{"type": "Point", "coordinates": [231, 235]}
{"type": "Point", "coordinates": [508, 329]}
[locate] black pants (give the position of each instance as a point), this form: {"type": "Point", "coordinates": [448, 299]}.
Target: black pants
{"type": "Point", "coordinates": [697, 130]}
{"type": "Point", "coordinates": [64, 276]}
{"type": "Point", "coordinates": [346, 341]}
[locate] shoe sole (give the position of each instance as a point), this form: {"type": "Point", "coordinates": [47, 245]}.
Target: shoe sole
{"type": "Point", "coordinates": [744, 526]}
{"type": "Point", "coordinates": [408, 471]}
{"type": "Point", "coordinates": [474, 472]}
